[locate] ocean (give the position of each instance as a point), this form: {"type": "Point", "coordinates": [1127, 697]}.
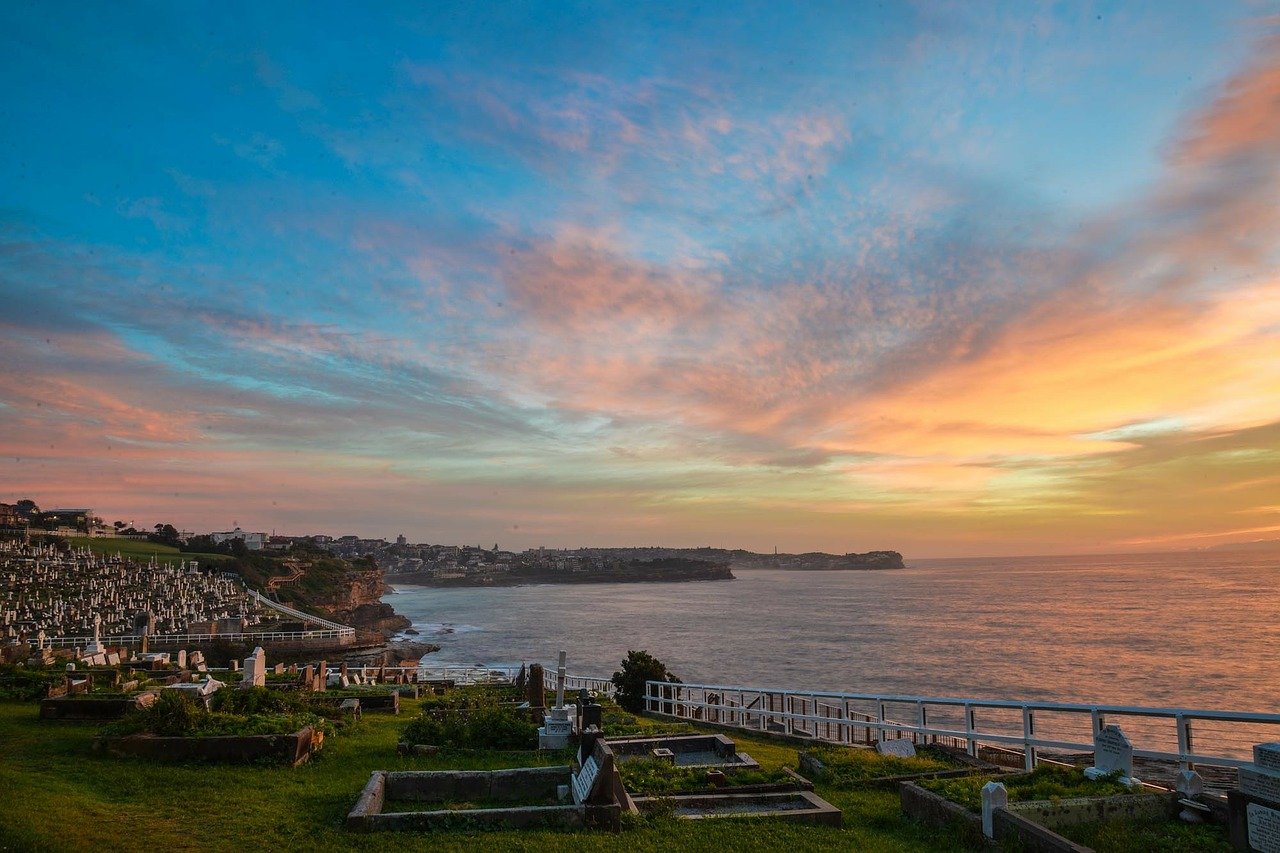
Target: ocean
{"type": "Point", "coordinates": [1195, 630]}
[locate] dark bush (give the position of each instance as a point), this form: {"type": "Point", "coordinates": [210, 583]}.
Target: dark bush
{"type": "Point", "coordinates": [638, 668]}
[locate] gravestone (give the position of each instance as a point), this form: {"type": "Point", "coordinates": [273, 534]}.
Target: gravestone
{"type": "Point", "coordinates": [182, 658]}
{"type": "Point", "coordinates": [898, 748]}
{"type": "Point", "coordinates": [1112, 752]}
{"type": "Point", "coordinates": [557, 726]}
{"type": "Point", "coordinates": [592, 714]}
{"type": "Point", "coordinates": [255, 669]}
{"type": "Point", "coordinates": [96, 647]}
{"type": "Point", "coordinates": [994, 796]}
{"type": "Point", "coordinates": [537, 696]}
{"type": "Point", "coordinates": [1254, 809]}
{"type": "Point", "coordinates": [584, 780]}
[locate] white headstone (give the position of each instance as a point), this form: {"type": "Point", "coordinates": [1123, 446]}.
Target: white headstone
{"type": "Point", "coordinates": [1260, 784]}
{"type": "Point", "coordinates": [994, 796]}
{"type": "Point", "coordinates": [1188, 783]}
{"type": "Point", "coordinates": [1264, 828]}
{"type": "Point", "coordinates": [585, 780]}
{"type": "Point", "coordinates": [1266, 757]}
{"type": "Point", "coordinates": [1112, 752]}
{"type": "Point", "coordinates": [560, 681]}
{"type": "Point", "coordinates": [182, 659]}
{"type": "Point", "coordinates": [898, 747]}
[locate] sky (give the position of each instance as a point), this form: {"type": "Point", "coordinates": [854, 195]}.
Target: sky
{"type": "Point", "coordinates": [945, 278]}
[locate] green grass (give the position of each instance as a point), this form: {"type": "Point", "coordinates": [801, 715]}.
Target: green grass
{"type": "Point", "coordinates": [1167, 836]}
{"type": "Point", "coordinates": [653, 777]}
{"type": "Point", "coordinates": [1047, 782]}
{"type": "Point", "coordinates": [67, 798]}
{"type": "Point", "coordinates": [139, 549]}
{"type": "Point", "coordinates": [851, 767]}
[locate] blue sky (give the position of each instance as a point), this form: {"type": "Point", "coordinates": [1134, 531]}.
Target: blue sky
{"type": "Point", "coordinates": [598, 274]}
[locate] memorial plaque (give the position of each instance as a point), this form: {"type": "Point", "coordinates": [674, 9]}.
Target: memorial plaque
{"type": "Point", "coordinates": [1264, 828]}
{"type": "Point", "coordinates": [1263, 786]}
{"type": "Point", "coordinates": [585, 780]}
{"type": "Point", "coordinates": [1267, 756]}
{"type": "Point", "coordinates": [899, 748]}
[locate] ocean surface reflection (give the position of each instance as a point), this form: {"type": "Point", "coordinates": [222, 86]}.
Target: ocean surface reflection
{"type": "Point", "coordinates": [1193, 630]}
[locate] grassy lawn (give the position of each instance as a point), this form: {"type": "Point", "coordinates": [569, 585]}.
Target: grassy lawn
{"type": "Point", "coordinates": [65, 797]}
{"type": "Point", "coordinates": [1167, 836]}
{"type": "Point", "coordinates": [139, 549]}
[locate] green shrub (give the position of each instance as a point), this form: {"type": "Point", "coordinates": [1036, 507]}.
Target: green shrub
{"type": "Point", "coordinates": [175, 714]}
{"type": "Point", "coordinates": [638, 668]}
{"type": "Point", "coordinates": [488, 726]}
{"type": "Point", "coordinates": [658, 778]}
{"type": "Point", "coordinates": [27, 683]}
{"type": "Point", "coordinates": [1046, 782]}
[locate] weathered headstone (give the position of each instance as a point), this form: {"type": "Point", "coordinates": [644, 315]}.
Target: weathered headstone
{"type": "Point", "coordinates": [584, 780]}
{"type": "Point", "coordinates": [1264, 828]}
{"type": "Point", "coordinates": [182, 658]}
{"type": "Point", "coordinates": [994, 796]}
{"type": "Point", "coordinates": [898, 747]}
{"type": "Point", "coordinates": [1112, 752]}
{"type": "Point", "coordinates": [255, 669]}
{"type": "Point", "coordinates": [1254, 809]}
{"type": "Point", "coordinates": [557, 726]}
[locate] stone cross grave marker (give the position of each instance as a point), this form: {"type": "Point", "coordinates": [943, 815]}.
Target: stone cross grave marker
{"type": "Point", "coordinates": [898, 747]}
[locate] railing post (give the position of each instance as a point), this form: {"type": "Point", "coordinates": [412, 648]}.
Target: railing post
{"type": "Point", "coordinates": [1184, 742]}
{"type": "Point", "coordinates": [884, 715]}
{"type": "Point", "coordinates": [1099, 721]}
{"type": "Point", "coordinates": [1028, 731]}
{"type": "Point", "coordinates": [970, 726]}
{"type": "Point", "coordinates": [922, 721]}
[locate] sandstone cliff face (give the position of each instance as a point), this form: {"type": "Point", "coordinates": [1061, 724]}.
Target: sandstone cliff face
{"type": "Point", "coordinates": [355, 600]}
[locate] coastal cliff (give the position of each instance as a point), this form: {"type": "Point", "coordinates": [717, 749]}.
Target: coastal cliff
{"type": "Point", "coordinates": [357, 602]}
{"type": "Point", "coordinates": [346, 591]}
{"type": "Point", "coordinates": [671, 569]}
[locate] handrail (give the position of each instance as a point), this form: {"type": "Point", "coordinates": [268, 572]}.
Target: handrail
{"type": "Point", "coordinates": [745, 707]}
{"type": "Point", "coordinates": [298, 614]}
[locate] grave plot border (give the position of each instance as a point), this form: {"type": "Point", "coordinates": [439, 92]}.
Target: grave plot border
{"type": "Point", "coordinates": [292, 749]}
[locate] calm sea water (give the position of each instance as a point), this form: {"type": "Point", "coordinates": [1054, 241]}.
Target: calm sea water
{"type": "Point", "coordinates": [1194, 630]}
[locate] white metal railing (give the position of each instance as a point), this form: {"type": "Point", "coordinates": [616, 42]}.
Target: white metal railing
{"type": "Point", "coordinates": [1221, 737]}
{"type": "Point", "coordinates": [169, 639]}
{"type": "Point", "coordinates": [574, 683]}
{"type": "Point", "coordinates": [298, 614]}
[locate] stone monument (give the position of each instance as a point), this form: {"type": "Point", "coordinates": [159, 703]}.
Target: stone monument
{"type": "Point", "coordinates": [255, 669]}
{"type": "Point", "coordinates": [1254, 809]}
{"type": "Point", "coordinates": [1112, 752]}
{"type": "Point", "coordinates": [558, 725]}
{"type": "Point", "coordinates": [994, 796]}
{"type": "Point", "coordinates": [96, 647]}
{"type": "Point", "coordinates": [897, 747]}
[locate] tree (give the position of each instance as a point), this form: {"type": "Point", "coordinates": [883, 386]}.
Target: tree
{"type": "Point", "coordinates": [638, 668]}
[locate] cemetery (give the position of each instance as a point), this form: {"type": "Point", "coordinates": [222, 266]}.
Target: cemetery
{"type": "Point", "coordinates": [1059, 806]}
{"type": "Point", "coordinates": [77, 593]}
{"type": "Point", "coordinates": [887, 765]}
{"type": "Point", "coordinates": [691, 750]}
{"type": "Point", "coordinates": [524, 765]}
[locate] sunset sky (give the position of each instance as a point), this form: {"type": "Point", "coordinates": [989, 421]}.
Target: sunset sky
{"type": "Point", "coordinates": [948, 278]}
